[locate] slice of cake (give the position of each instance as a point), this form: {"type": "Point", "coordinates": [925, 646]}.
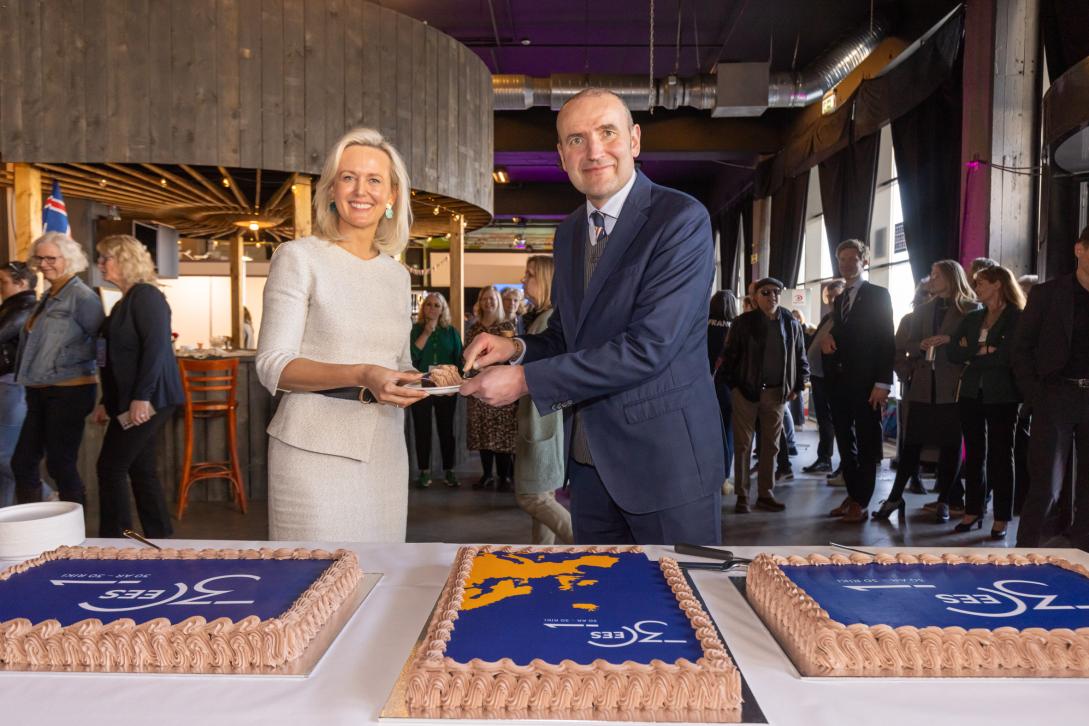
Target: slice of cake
{"type": "Point", "coordinates": [188, 610]}
{"type": "Point", "coordinates": [580, 632]}
{"type": "Point", "coordinates": [926, 615]}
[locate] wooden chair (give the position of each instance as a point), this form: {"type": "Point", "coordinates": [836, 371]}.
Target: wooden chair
{"type": "Point", "coordinates": [211, 391]}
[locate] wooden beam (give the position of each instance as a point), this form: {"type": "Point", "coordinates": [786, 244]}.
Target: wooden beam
{"type": "Point", "coordinates": [175, 190]}
{"type": "Point", "coordinates": [238, 288]}
{"type": "Point", "coordinates": [27, 215]}
{"type": "Point", "coordinates": [457, 274]}
{"type": "Point", "coordinates": [302, 193]}
{"type": "Point", "coordinates": [234, 188]}
{"type": "Point", "coordinates": [281, 192]}
{"type": "Point", "coordinates": [181, 181]}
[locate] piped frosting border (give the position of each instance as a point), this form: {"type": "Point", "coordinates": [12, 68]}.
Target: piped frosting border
{"type": "Point", "coordinates": [195, 644]}
{"type": "Point", "coordinates": [821, 646]}
{"type": "Point", "coordinates": [709, 689]}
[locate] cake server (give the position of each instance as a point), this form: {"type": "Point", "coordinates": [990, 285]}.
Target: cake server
{"type": "Point", "coordinates": [699, 551]}
{"type": "Point", "coordinates": [140, 538]}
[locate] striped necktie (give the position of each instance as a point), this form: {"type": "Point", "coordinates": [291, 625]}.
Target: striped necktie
{"type": "Point", "coordinates": [600, 235]}
{"type": "Point", "coordinates": [848, 299]}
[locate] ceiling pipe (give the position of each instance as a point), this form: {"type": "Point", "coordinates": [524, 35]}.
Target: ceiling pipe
{"type": "Point", "coordinates": [784, 90]}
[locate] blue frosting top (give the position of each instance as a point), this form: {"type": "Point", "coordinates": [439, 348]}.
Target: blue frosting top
{"type": "Point", "coordinates": [566, 605]}
{"type": "Point", "coordinates": [968, 596]}
{"type": "Point", "coordinates": [73, 590]}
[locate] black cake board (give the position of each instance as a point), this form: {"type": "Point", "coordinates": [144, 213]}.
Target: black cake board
{"type": "Point", "coordinates": [739, 583]}
{"type": "Point", "coordinates": [396, 713]}
{"type": "Point", "coordinates": [300, 668]}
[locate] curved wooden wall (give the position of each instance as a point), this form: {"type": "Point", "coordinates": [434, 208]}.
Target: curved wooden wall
{"type": "Point", "coordinates": [241, 83]}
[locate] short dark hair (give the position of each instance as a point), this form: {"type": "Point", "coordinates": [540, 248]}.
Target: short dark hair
{"type": "Point", "coordinates": [21, 272]}
{"type": "Point", "coordinates": [1083, 238]}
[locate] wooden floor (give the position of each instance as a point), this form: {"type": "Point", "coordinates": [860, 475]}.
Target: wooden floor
{"type": "Point", "coordinates": [465, 515]}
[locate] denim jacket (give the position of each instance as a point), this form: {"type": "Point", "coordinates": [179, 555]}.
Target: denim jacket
{"type": "Point", "coordinates": [61, 345]}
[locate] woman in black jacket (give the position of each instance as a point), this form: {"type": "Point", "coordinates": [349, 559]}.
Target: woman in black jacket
{"type": "Point", "coordinates": [140, 389]}
{"type": "Point", "coordinates": [724, 310]}
{"type": "Point", "coordinates": [988, 397]}
{"type": "Point", "coordinates": [17, 283]}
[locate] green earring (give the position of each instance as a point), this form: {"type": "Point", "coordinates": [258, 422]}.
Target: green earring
{"type": "Point", "coordinates": [389, 210]}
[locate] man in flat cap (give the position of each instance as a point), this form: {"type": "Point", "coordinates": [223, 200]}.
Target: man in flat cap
{"type": "Point", "coordinates": [764, 362]}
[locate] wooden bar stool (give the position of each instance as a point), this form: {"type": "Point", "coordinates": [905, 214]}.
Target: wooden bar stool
{"type": "Point", "coordinates": [211, 391]}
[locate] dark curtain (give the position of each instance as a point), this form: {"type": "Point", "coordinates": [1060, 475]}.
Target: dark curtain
{"type": "Point", "coordinates": [1064, 25]}
{"type": "Point", "coordinates": [1060, 205]}
{"type": "Point", "coordinates": [787, 229]}
{"type": "Point", "coordinates": [847, 188]}
{"type": "Point", "coordinates": [926, 141]}
{"type": "Point", "coordinates": [729, 237]}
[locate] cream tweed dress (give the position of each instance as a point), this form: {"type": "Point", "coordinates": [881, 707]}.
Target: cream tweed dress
{"type": "Point", "coordinates": [338, 469]}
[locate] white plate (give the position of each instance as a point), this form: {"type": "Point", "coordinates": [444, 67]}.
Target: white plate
{"type": "Point", "coordinates": [27, 530]}
{"type": "Point", "coordinates": [437, 390]}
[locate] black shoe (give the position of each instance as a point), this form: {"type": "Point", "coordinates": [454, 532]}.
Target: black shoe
{"type": "Point", "coordinates": [888, 507]}
{"type": "Point", "coordinates": [817, 467]}
{"type": "Point", "coordinates": [770, 504]}
{"type": "Point", "coordinates": [784, 474]}
{"type": "Point", "coordinates": [484, 482]}
{"type": "Point", "coordinates": [834, 473]}
{"type": "Point", "coordinates": [793, 451]}
{"type": "Point", "coordinates": [976, 523]}
{"type": "Point", "coordinates": [915, 486]}
{"type": "Point", "coordinates": [998, 533]}
{"type": "Point", "coordinates": [506, 484]}
{"type": "Point", "coordinates": [941, 513]}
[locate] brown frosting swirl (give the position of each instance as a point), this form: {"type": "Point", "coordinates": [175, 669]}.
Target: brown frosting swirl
{"type": "Point", "coordinates": [709, 689]}
{"type": "Point", "coordinates": [820, 646]}
{"type": "Point", "coordinates": [193, 644]}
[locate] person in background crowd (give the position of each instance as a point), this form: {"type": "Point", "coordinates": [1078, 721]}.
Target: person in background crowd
{"type": "Point", "coordinates": [336, 320]}
{"type": "Point", "coordinates": [723, 311]}
{"type": "Point", "coordinates": [538, 451]}
{"type": "Point", "coordinates": [988, 397]}
{"type": "Point", "coordinates": [435, 342]}
{"type": "Point", "coordinates": [248, 339]}
{"type": "Point", "coordinates": [859, 351]}
{"type": "Point", "coordinates": [1024, 427]}
{"type": "Point", "coordinates": [903, 368]}
{"type": "Point", "coordinates": [765, 366]}
{"type": "Point", "coordinates": [515, 308]}
{"type": "Point", "coordinates": [818, 400]}
{"type": "Point", "coordinates": [979, 263]}
{"type": "Point", "coordinates": [747, 304]}
{"type": "Point", "coordinates": [17, 283]}
{"type": "Point", "coordinates": [492, 429]}
{"type": "Point", "coordinates": [1051, 362]}
{"type": "Point", "coordinates": [1027, 282]}
{"type": "Point", "coordinates": [932, 379]}
{"type": "Point", "coordinates": [141, 387]}
{"type": "Point", "coordinates": [56, 363]}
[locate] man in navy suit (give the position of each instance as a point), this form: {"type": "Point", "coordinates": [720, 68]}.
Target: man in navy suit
{"type": "Point", "coordinates": [624, 356]}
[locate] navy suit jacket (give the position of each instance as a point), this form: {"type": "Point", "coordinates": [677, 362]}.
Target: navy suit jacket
{"type": "Point", "coordinates": [631, 351]}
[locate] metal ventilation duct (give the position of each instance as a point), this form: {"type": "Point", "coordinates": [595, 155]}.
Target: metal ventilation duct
{"type": "Point", "coordinates": [737, 89]}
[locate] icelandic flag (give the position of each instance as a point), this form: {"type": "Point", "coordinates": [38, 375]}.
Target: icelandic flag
{"type": "Point", "coordinates": [54, 213]}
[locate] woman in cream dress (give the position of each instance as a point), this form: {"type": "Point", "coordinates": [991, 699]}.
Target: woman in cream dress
{"type": "Point", "coordinates": [337, 315]}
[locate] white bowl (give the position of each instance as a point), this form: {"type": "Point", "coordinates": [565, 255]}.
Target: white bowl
{"type": "Point", "coordinates": [27, 530]}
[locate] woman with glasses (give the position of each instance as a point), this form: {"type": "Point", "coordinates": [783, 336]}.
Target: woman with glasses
{"type": "Point", "coordinates": [434, 343]}
{"type": "Point", "coordinates": [17, 283]}
{"type": "Point", "coordinates": [141, 387]}
{"type": "Point", "coordinates": [56, 363]}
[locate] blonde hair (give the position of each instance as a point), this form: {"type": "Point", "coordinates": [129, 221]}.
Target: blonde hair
{"type": "Point", "coordinates": [391, 236]}
{"type": "Point", "coordinates": [543, 268]}
{"type": "Point", "coordinates": [75, 259]}
{"type": "Point", "coordinates": [500, 311]}
{"type": "Point", "coordinates": [132, 257]}
{"type": "Point", "coordinates": [962, 294]}
{"type": "Point", "coordinates": [444, 316]}
{"type": "Point", "coordinates": [1011, 288]}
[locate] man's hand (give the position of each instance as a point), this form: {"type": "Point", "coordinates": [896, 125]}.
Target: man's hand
{"type": "Point", "coordinates": [878, 398]}
{"type": "Point", "coordinates": [387, 385]}
{"type": "Point", "coordinates": [487, 350]}
{"type": "Point", "coordinates": [140, 412]}
{"type": "Point", "coordinates": [934, 341]}
{"type": "Point", "coordinates": [828, 345]}
{"type": "Point", "coordinates": [498, 385]}
{"type": "Point", "coordinates": [99, 416]}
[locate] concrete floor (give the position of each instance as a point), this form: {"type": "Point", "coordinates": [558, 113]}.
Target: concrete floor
{"type": "Point", "coordinates": [465, 515]}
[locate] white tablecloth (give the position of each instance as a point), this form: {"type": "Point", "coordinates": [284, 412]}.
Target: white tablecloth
{"type": "Point", "coordinates": [352, 682]}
